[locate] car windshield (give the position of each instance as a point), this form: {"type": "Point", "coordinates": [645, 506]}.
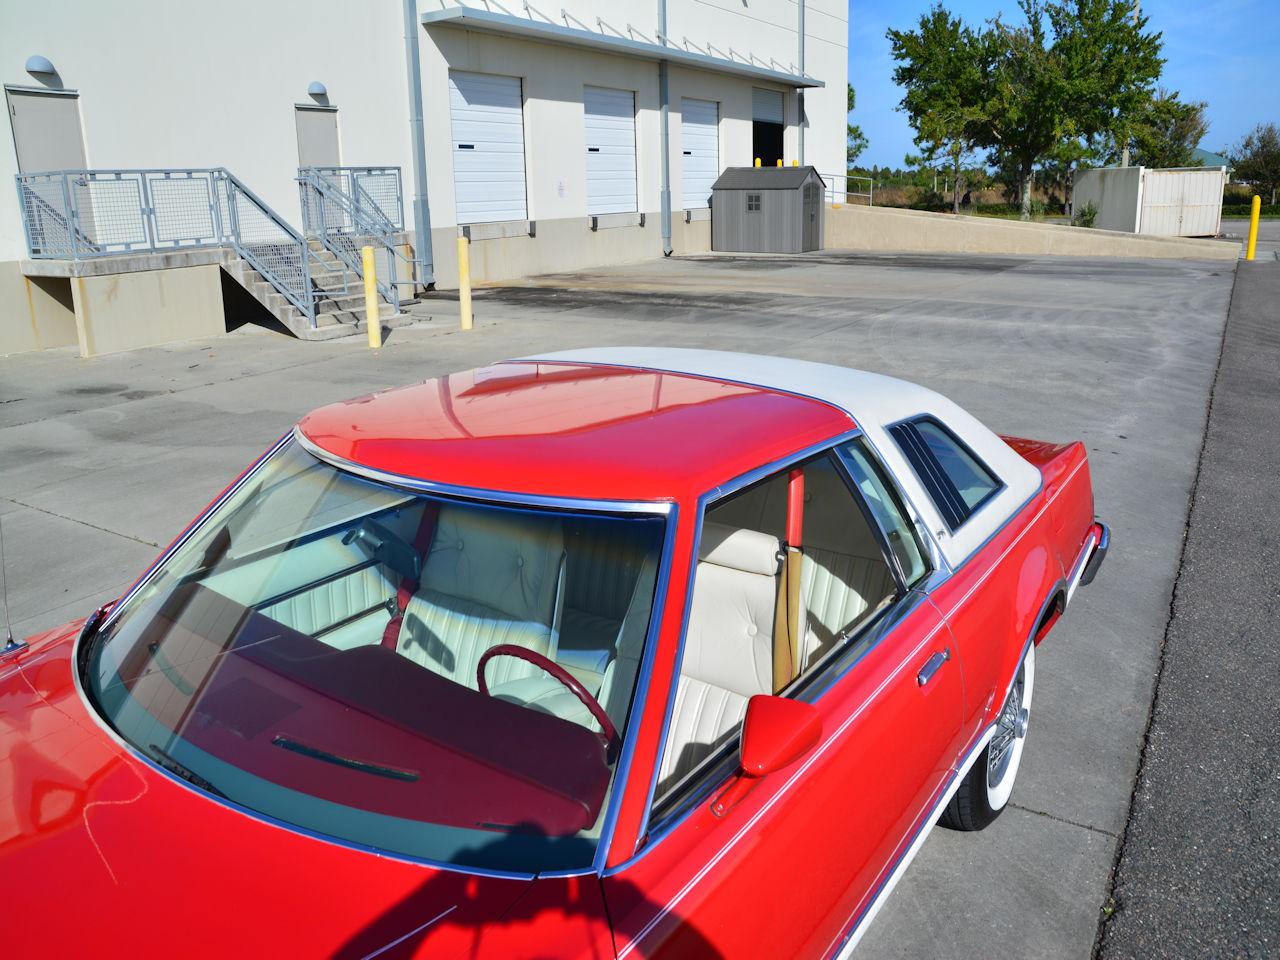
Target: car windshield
{"type": "Point", "coordinates": [439, 678]}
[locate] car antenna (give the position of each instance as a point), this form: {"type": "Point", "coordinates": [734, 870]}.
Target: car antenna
{"type": "Point", "coordinates": [10, 645]}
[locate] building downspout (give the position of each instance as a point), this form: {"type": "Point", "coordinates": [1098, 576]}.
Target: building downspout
{"type": "Point", "coordinates": [800, 90]}
{"type": "Point", "coordinates": [664, 139]}
{"type": "Point", "coordinates": [421, 210]}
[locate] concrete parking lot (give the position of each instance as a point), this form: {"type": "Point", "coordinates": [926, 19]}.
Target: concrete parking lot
{"type": "Point", "coordinates": [103, 461]}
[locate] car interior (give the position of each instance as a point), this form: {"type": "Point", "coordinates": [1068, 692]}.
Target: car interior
{"type": "Point", "coordinates": [575, 589]}
{"type": "Point", "coordinates": [442, 583]}
{"type": "Point", "coordinates": [737, 589]}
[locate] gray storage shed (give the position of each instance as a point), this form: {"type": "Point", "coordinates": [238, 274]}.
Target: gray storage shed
{"type": "Point", "coordinates": [767, 210]}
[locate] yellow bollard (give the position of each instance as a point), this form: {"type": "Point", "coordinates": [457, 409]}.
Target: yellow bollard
{"type": "Point", "coordinates": [795, 163]}
{"type": "Point", "coordinates": [464, 281]}
{"type": "Point", "coordinates": [779, 163]}
{"type": "Point", "coordinates": [1254, 212]}
{"type": "Point", "coordinates": [372, 311]}
{"type": "Point", "coordinates": [757, 161]}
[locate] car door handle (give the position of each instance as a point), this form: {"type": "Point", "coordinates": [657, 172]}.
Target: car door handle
{"type": "Point", "coordinates": [932, 666]}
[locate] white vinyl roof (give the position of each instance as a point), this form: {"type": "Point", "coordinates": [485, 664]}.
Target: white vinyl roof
{"type": "Point", "coordinates": [527, 28]}
{"type": "Point", "coordinates": [875, 402]}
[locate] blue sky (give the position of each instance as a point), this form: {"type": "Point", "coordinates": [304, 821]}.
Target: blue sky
{"type": "Point", "coordinates": [1225, 52]}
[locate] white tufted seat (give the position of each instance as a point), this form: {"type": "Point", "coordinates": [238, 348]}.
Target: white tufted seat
{"type": "Point", "coordinates": [491, 577]}
{"type": "Point", "coordinates": [843, 574]}
{"type": "Point", "coordinates": [728, 649]}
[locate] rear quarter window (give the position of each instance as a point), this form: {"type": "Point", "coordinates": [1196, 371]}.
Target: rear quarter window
{"type": "Point", "coordinates": [955, 479]}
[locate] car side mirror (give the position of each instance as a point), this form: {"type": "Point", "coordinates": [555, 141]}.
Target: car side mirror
{"type": "Point", "coordinates": [776, 733]}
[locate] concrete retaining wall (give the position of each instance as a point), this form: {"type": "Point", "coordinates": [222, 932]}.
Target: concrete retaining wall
{"type": "Point", "coordinates": [886, 228]}
{"type": "Point", "coordinates": [39, 312]}
{"type": "Point", "coordinates": [125, 311]}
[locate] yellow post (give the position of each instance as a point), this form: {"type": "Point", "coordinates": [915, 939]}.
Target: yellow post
{"type": "Point", "coordinates": [372, 312]}
{"type": "Point", "coordinates": [795, 163]}
{"type": "Point", "coordinates": [464, 281]}
{"type": "Point", "coordinates": [779, 162]}
{"type": "Point", "coordinates": [1253, 227]}
{"type": "Point", "coordinates": [757, 161]}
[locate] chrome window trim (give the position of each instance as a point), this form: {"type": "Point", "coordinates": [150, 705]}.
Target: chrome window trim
{"type": "Point", "coordinates": [485, 495]}
{"type": "Point", "coordinates": [665, 509]}
{"type": "Point", "coordinates": [640, 695]}
{"type": "Point", "coordinates": [846, 471]}
{"type": "Point", "coordinates": [715, 493]}
{"type": "Point", "coordinates": [840, 665]}
{"type": "Point", "coordinates": [937, 557]}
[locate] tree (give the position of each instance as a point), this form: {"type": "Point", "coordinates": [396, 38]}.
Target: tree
{"type": "Point", "coordinates": [940, 73]}
{"type": "Point", "coordinates": [856, 141]}
{"type": "Point", "coordinates": [1165, 131]}
{"type": "Point", "coordinates": [1079, 78]}
{"type": "Point", "coordinates": [1256, 160]}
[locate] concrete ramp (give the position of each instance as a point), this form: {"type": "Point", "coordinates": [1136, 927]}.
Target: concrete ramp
{"type": "Point", "coordinates": [890, 228]}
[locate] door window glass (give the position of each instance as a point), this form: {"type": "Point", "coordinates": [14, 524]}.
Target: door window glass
{"type": "Point", "coordinates": [885, 505]}
{"type": "Point", "coordinates": [768, 609]}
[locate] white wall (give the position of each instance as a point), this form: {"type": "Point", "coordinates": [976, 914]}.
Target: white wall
{"type": "Point", "coordinates": [169, 83]}
{"type": "Point", "coordinates": [176, 84]}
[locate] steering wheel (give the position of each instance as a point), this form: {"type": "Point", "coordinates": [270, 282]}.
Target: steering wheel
{"type": "Point", "coordinates": [609, 735]}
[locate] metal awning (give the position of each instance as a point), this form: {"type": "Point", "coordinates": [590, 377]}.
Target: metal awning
{"type": "Point", "coordinates": [526, 28]}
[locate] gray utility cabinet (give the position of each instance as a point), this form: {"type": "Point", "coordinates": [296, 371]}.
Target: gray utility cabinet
{"type": "Point", "coordinates": [767, 210]}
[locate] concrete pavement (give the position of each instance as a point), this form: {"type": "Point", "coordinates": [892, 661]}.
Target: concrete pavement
{"type": "Point", "coordinates": [102, 461]}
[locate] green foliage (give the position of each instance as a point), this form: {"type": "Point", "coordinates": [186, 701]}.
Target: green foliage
{"type": "Point", "coordinates": [1256, 160]}
{"type": "Point", "coordinates": [1086, 216]}
{"type": "Point", "coordinates": [856, 141]}
{"type": "Point", "coordinates": [1164, 132]}
{"type": "Point", "coordinates": [1043, 93]}
{"type": "Point", "coordinates": [940, 70]}
{"type": "Point", "coordinates": [1235, 210]}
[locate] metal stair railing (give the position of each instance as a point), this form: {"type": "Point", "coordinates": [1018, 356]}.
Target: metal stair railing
{"type": "Point", "coordinates": [84, 214]}
{"type": "Point", "coordinates": [377, 191]}
{"type": "Point", "coordinates": [848, 192]}
{"type": "Point", "coordinates": [265, 240]}
{"type": "Point", "coordinates": [345, 222]}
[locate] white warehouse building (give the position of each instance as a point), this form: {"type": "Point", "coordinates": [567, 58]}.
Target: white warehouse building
{"type": "Point", "coordinates": [236, 142]}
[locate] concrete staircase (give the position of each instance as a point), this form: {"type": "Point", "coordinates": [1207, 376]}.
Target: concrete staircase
{"type": "Point", "coordinates": [339, 312]}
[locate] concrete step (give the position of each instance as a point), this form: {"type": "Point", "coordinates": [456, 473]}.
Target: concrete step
{"type": "Point", "coordinates": [341, 315]}
{"type": "Point", "coordinates": [330, 326]}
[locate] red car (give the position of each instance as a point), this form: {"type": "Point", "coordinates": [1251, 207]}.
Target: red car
{"type": "Point", "coordinates": [629, 652]}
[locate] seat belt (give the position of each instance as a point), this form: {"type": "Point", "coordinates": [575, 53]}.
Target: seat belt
{"type": "Point", "coordinates": [786, 620]}
{"type": "Point", "coordinates": [409, 586]}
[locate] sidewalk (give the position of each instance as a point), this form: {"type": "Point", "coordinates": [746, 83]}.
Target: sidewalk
{"type": "Point", "coordinates": [1199, 868]}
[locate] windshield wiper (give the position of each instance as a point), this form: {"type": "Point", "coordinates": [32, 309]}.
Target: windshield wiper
{"type": "Point", "coordinates": [186, 773]}
{"type": "Point", "coordinates": [363, 766]}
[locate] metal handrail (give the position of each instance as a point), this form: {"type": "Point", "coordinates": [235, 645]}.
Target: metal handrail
{"type": "Point", "coordinates": [344, 224]}
{"type": "Point", "coordinates": [362, 183]}
{"type": "Point", "coordinates": [101, 212]}
{"type": "Point", "coordinates": [844, 195]}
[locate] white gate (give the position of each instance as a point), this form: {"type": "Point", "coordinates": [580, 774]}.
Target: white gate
{"type": "Point", "coordinates": [1182, 202]}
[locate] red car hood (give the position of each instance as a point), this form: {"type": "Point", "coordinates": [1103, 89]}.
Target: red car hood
{"type": "Point", "coordinates": [102, 855]}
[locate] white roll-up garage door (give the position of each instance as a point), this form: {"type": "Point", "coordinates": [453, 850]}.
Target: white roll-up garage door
{"type": "Point", "coordinates": [700, 144]}
{"type": "Point", "coordinates": [488, 147]}
{"type": "Point", "coordinates": [767, 105]}
{"type": "Point", "coordinates": [611, 150]}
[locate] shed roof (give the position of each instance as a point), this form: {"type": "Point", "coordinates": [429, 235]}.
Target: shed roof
{"type": "Point", "coordinates": [764, 178]}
